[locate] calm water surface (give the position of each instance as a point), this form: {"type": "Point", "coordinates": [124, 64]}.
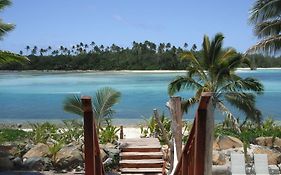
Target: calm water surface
{"type": "Point", "coordinates": [39, 96]}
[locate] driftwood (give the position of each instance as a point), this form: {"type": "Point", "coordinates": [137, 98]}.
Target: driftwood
{"type": "Point", "coordinates": [174, 105]}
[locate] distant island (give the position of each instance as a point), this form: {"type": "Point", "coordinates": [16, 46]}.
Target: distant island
{"type": "Point", "coordinates": [141, 56]}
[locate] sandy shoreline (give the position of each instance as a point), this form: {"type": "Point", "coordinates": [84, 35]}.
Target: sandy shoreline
{"type": "Point", "coordinates": [121, 71]}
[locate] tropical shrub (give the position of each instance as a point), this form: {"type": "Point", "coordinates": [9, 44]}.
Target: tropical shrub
{"type": "Point", "coordinates": [41, 133]}
{"type": "Point", "coordinates": [108, 134]}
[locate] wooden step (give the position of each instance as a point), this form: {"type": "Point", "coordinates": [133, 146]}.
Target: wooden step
{"type": "Point", "coordinates": [145, 148]}
{"type": "Point", "coordinates": [141, 163]}
{"type": "Point", "coordinates": [141, 170]}
{"type": "Point", "coordinates": [141, 155]}
{"type": "Point", "coordinates": [141, 173]}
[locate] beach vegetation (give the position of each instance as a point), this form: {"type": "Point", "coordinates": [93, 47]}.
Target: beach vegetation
{"type": "Point", "coordinates": [108, 133]}
{"type": "Point", "coordinates": [44, 132]}
{"type": "Point", "coordinates": [214, 71]}
{"type": "Point", "coordinates": [12, 135]}
{"type": "Point", "coordinates": [102, 103]}
{"type": "Point", "coordinates": [250, 131]}
{"type": "Point", "coordinates": [151, 128]}
{"type": "Point", "coordinates": [265, 16]}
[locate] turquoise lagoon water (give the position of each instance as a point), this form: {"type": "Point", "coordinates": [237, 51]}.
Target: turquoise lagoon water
{"type": "Point", "coordinates": [29, 96]}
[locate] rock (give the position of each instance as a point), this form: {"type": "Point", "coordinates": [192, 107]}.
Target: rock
{"type": "Point", "coordinates": [17, 162]}
{"type": "Point", "coordinates": [218, 158]}
{"type": "Point", "coordinates": [36, 163]}
{"type": "Point", "coordinates": [264, 141]}
{"type": "Point", "coordinates": [216, 145]}
{"type": "Point", "coordinates": [5, 163]}
{"type": "Point", "coordinates": [103, 155]}
{"type": "Point", "coordinates": [277, 142]}
{"type": "Point", "coordinates": [109, 146]}
{"type": "Point", "coordinates": [39, 150]}
{"type": "Point", "coordinates": [226, 142]}
{"type": "Point", "coordinates": [9, 149]}
{"type": "Point", "coordinates": [69, 157]}
{"type": "Point", "coordinates": [273, 156]}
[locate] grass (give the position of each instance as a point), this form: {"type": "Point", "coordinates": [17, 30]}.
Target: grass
{"type": "Point", "coordinates": [10, 135]}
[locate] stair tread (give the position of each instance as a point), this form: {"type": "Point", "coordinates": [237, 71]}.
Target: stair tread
{"type": "Point", "coordinates": [140, 153]}
{"type": "Point", "coordinates": [142, 161]}
{"type": "Point", "coordinates": [141, 170]}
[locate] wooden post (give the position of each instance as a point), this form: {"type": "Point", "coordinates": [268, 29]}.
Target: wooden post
{"type": "Point", "coordinates": [88, 135]}
{"type": "Point", "coordinates": [121, 132]}
{"type": "Point", "coordinates": [174, 105]}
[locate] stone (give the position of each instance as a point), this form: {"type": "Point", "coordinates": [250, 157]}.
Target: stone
{"type": "Point", "coordinates": [277, 142]}
{"type": "Point", "coordinates": [69, 157]}
{"type": "Point", "coordinates": [39, 150]}
{"type": "Point", "coordinates": [218, 158]}
{"type": "Point", "coordinates": [264, 141]}
{"type": "Point", "coordinates": [273, 156]}
{"type": "Point", "coordinates": [9, 149]}
{"type": "Point", "coordinates": [227, 142]}
{"type": "Point", "coordinates": [17, 162]}
{"type": "Point", "coordinates": [103, 155]}
{"type": "Point", "coordinates": [34, 163]}
{"type": "Point", "coordinates": [5, 163]}
{"type": "Point", "coordinates": [216, 145]}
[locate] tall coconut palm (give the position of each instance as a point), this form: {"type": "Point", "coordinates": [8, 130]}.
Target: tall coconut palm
{"type": "Point", "coordinates": [215, 72]}
{"type": "Point", "coordinates": [102, 102]}
{"type": "Point", "coordinates": [265, 15]}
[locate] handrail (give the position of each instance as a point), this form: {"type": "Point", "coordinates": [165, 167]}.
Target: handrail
{"type": "Point", "coordinates": [193, 157]}
{"type": "Point", "coordinates": [93, 162]}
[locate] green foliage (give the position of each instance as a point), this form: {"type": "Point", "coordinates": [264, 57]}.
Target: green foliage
{"type": "Point", "coordinates": [250, 131]}
{"type": "Point", "coordinates": [108, 134]}
{"type": "Point", "coordinates": [54, 149]}
{"type": "Point", "coordinates": [41, 133]}
{"type": "Point", "coordinates": [151, 128]}
{"type": "Point", "coordinates": [102, 103]}
{"type": "Point", "coordinates": [214, 71]}
{"type": "Point", "coordinates": [72, 131]}
{"type": "Point", "coordinates": [11, 135]}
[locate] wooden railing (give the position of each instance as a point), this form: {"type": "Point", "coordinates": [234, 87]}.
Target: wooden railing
{"type": "Point", "coordinates": [93, 162]}
{"type": "Point", "coordinates": [195, 157]}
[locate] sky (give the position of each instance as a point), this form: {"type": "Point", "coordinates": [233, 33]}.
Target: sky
{"type": "Point", "coordinates": [67, 22]}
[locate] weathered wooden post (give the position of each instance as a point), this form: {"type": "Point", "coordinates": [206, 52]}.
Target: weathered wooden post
{"type": "Point", "coordinates": [88, 135]}
{"type": "Point", "coordinates": [174, 105]}
{"type": "Point", "coordinates": [121, 132]}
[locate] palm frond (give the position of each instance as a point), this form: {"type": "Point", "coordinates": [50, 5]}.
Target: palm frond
{"type": "Point", "coordinates": [240, 85]}
{"type": "Point", "coordinates": [264, 9]}
{"type": "Point", "coordinates": [186, 104]}
{"type": "Point", "coordinates": [103, 102]}
{"type": "Point", "coordinates": [268, 28]}
{"type": "Point", "coordinates": [8, 57]}
{"type": "Point", "coordinates": [73, 104]}
{"type": "Point", "coordinates": [5, 28]}
{"type": "Point", "coordinates": [245, 102]}
{"type": "Point", "coordinates": [268, 45]}
{"type": "Point", "coordinates": [215, 49]}
{"type": "Point", "coordinates": [182, 82]}
{"type": "Point", "coordinates": [4, 3]}
{"type": "Point", "coordinates": [229, 121]}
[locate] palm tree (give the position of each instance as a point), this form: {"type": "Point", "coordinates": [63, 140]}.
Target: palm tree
{"type": "Point", "coordinates": [265, 16]}
{"type": "Point", "coordinates": [215, 72]}
{"type": "Point", "coordinates": [102, 102]}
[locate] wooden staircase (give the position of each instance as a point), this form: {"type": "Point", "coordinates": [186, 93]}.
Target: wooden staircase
{"type": "Point", "coordinates": [141, 156]}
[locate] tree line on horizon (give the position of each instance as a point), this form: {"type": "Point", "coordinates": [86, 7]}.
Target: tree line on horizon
{"type": "Point", "coordinates": [140, 56]}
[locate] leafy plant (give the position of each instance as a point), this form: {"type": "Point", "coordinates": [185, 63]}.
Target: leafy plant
{"type": "Point", "coordinates": [102, 103]}
{"type": "Point", "coordinates": [54, 149]}
{"type": "Point", "coordinates": [108, 134]}
{"type": "Point", "coordinates": [72, 131]}
{"type": "Point", "coordinates": [41, 133]}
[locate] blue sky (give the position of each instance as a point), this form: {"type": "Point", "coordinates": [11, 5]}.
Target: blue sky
{"type": "Point", "coordinates": [67, 22]}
